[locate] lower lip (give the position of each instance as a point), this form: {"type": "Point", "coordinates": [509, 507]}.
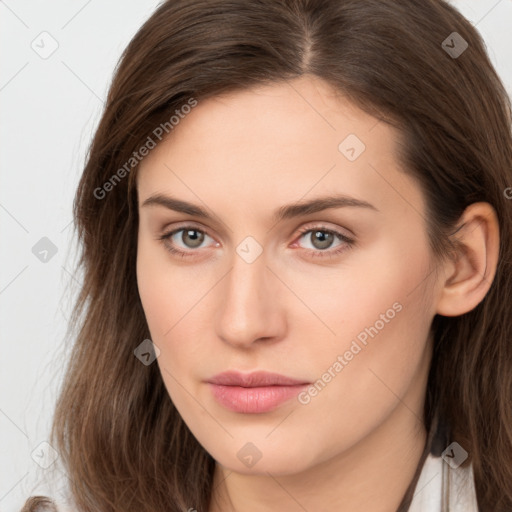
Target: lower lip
{"type": "Point", "coordinates": [254, 400]}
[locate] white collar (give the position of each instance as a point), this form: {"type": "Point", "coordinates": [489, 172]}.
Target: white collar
{"type": "Point", "coordinates": [441, 488]}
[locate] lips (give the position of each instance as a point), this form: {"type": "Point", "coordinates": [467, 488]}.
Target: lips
{"type": "Point", "coordinates": [255, 379]}
{"type": "Point", "coordinates": [255, 392]}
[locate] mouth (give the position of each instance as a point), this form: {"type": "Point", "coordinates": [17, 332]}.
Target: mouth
{"type": "Point", "coordinates": [256, 392]}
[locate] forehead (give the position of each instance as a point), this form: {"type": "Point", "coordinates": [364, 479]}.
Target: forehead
{"type": "Point", "coordinates": [278, 116]}
{"type": "Point", "coordinates": [277, 143]}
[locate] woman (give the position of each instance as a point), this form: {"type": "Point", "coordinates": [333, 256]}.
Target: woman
{"type": "Point", "coordinates": [336, 334]}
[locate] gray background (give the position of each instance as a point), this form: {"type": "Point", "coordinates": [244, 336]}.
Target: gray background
{"type": "Point", "coordinates": [50, 106]}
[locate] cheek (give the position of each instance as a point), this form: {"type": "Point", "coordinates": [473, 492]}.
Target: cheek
{"type": "Point", "coordinates": [381, 314]}
{"type": "Point", "coordinates": [164, 290]}
{"type": "Point", "coordinates": [152, 289]}
{"type": "Point", "coordinates": [363, 294]}
{"type": "Point", "coordinates": [170, 298]}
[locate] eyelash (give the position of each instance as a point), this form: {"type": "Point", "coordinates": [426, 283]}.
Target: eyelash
{"type": "Point", "coordinates": [327, 253]}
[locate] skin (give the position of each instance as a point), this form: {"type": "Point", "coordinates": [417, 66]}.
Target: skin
{"type": "Point", "coordinates": [355, 446]}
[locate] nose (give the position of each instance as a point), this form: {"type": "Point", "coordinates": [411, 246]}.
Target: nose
{"type": "Point", "coordinates": [250, 304]}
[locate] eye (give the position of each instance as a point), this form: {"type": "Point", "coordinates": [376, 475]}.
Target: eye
{"type": "Point", "coordinates": [191, 237]}
{"type": "Point", "coordinates": [322, 239]}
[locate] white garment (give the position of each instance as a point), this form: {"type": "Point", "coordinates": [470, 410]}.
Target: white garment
{"type": "Point", "coordinates": [438, 478]}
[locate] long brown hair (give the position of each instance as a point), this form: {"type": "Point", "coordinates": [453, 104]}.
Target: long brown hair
{"type": "Point", "coordinates": [123, 444]}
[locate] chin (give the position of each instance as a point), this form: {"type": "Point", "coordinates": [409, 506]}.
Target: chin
{"type": "Point", "coordinates": [281, 460]}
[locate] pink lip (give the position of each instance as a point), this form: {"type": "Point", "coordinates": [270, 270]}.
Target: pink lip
{"type": "Point", "coordinates": [255, 392]}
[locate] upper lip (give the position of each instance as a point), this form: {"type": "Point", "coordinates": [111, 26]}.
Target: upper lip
{"type": "Point", "coordinates": [254, 379]}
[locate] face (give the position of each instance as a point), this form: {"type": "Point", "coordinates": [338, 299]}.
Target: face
{"type": "Point", "coordinates": [338, 297]}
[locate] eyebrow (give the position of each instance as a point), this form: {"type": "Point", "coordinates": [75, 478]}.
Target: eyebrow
{"type": "Point", "coordinates": [282, 213]}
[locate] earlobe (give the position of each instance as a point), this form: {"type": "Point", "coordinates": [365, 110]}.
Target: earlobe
{"type": "Point", "coordinates": [469, 275]}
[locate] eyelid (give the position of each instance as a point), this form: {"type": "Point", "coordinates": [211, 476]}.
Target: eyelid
{"type": "Point", "coordinates": [166, 231]}
{"type": "Point", "coordinates": [322, 225]}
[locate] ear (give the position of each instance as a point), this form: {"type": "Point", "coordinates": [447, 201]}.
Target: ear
{"type": "Point", "coordinates": [468, 275]}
